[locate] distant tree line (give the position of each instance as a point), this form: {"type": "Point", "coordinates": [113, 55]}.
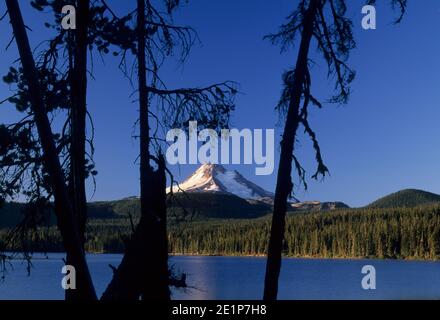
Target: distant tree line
{"type": "Point", "coordinates": [411, 233]}
{"type": "Point", "coordinates": [373, 233]}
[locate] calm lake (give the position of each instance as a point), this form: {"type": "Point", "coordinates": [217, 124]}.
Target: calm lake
{"type": "Point", "coordinates": [242, 278]}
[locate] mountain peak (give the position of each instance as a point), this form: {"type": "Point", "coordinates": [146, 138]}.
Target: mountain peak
{"type": "Point", "coordinates": [210, 168]}
{"type": "Point", "coordinates": [216, 178]}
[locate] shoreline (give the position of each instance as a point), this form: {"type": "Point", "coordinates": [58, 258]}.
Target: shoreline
{"type": "Point", "coordinates": [44, 256]}
{"type": "Point", "coordinates": [302, 257]}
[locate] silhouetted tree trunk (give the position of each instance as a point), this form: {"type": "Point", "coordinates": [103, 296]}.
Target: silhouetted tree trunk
{"type": "Point", "coordinates": [78, 81]}
{"type": "Point", "coordinates": [143, 272]}
{"type": "Point", "coordinates": [284, 183]}
{"type": "Point", "coordinates": [144, 138]}
{"type": "Point", "coordinates": [332, 31]}
{"type": "Point", "coordinates": [152, 185]}
{"type": "Point", "coordinates": [144, 269]}
{"type": "Point", "coordinates": [66, 219]}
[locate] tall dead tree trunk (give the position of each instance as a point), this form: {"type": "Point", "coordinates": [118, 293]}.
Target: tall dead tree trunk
{"type": "Point", "coordinates": [143, 271]}
{"type": "Point", "coordinates": [153, 184]}
{"type": "Point", "coordinates": [78, 81]}
{"type": "Point", "coordinates": [144, 137]}
{"type": "Point", "coordinates": [78, 116]}
{"type": "Point", "coordinates": [284, 181]}
{"type": "Point", "coordinates": [66, 219]}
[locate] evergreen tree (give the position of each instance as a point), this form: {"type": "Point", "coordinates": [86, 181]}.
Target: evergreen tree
{"type": "Point", "coordinates": [325, 22]}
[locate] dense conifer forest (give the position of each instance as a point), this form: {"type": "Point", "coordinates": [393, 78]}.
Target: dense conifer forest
{"type": "Point", "coordinates": [394, 233]}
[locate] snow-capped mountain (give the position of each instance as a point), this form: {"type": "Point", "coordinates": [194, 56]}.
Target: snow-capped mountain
{"type": "Point", "coordinates": [215, 178]}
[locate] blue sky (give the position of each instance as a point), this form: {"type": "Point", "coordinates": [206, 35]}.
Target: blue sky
{"type": "Point", "coordinates": [385, 139]}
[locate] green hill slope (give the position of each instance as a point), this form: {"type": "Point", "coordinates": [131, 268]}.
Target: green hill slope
{"type": "Point", "coordinates": [197, 205]}
{"type": "Point", "coordinates": [216, 205]}
{"type": "Point", "coordinates": [407, 198]}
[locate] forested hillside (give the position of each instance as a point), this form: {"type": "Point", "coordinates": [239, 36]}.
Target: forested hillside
{"type": "Point", "coordinates": [407, 198]}
{"type": "Point", "coordinates": [197, 206]}
{"type": "Point", "coordinates": [375, 233]}
{"type": "Point", "coordinates": [406, 233]}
